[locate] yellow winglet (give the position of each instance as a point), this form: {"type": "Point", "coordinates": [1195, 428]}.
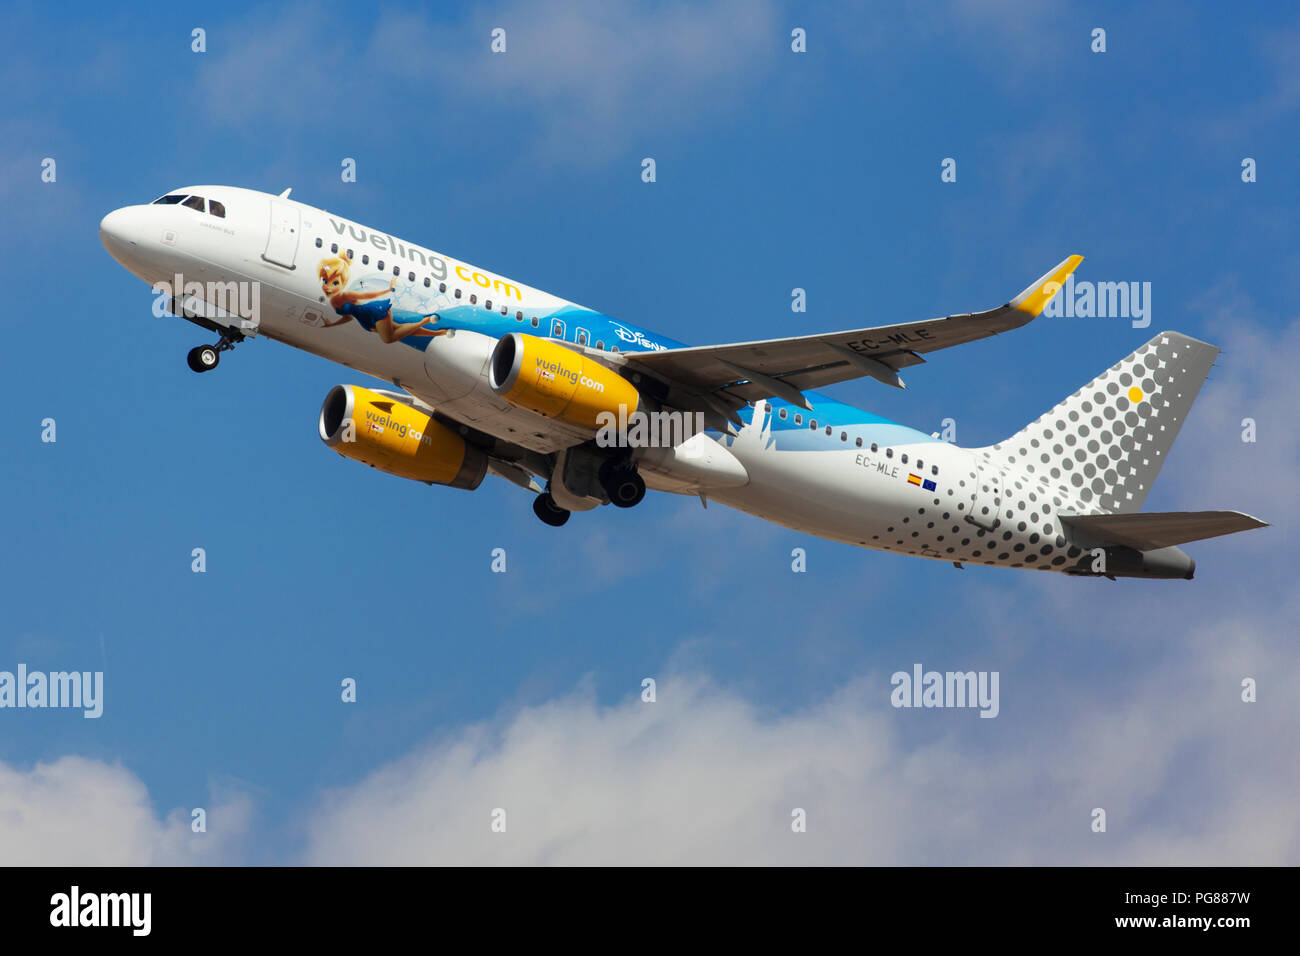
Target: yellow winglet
{"type": "Point", "coordinates": [1033, 300]}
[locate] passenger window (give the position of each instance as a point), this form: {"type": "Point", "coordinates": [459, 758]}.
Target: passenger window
{"type": "Point", "coordinates": [783, 414]}
{"type": "Point", "coordinates": [397, 271]}
{"type": "Point", "coordinates": [798, 419]}
{"type": "Point", "coordinates": [535, 322]}
{"type": "Point", "coordinates": [217, 209]}
{"type": "Point", "coordinates": [919, 464]}
{"type": "Point", "coordinates": [905, 459]}
{"type": "Point", "coordinates": [613, 348]}
{"type": "Point", "coordinates": [442, 287]}
{"type": "Point", "coordinates": [519, 316]}
{"type": "Point", "coordinates": [410, 277]}
{"type": "Point", "coordinates": [473, 300]}
{"type": "Point", "coordinates": [873, 447]}
{"type": "Point", "coordinates": [889, 453]}
{"type": "Point", "coordinates": [319, 242]}
{"type": "Point", "coordinates": [812, 424]}
{"type": "Point", "coordinates": [504, 310]}
{"type": "Point", "coordinates": [828, 429]}
{"type": "Point", "coordinates": [195, 202]}
{"type": "Point", "coordinates": [600, 345]}
{"type": "Point", "coordinates": [487, 304]}
{"type": "Point", "coordinates": [427, 282]}
{"type": "Point", "coordinates": [458, 293]}
{"type": "Point", "coordinates": [844, 436]}
{"type": "Point", "coordinates": [582, 337]}
{"type": "Point", "coordinates": [859, 442]}
{"type": "Point", "coordinates": [348, 254]}
{"type": "Point", "coordinates": [334, 248]}
{"type": "Point", "coordinates": [365, 260]}
{"type": "Point", "coordinates": [934, 469]}
{"type": "Point", "coordinates": [380, 265]}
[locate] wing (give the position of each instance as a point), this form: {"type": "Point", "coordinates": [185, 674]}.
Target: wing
{"type": "Point", "coordinates": [786, 367]}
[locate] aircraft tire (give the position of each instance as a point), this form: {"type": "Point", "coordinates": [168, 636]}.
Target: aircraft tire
{"type": "Point", "coordinates": [203, 358]}
{"type": "Point", "coordinates": [544, 507]}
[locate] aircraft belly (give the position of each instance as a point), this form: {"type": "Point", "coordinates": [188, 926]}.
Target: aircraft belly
{"type": "Point", "coordinates": [852, 495]}
{"type": "Point", "coordinates": [821, 492]}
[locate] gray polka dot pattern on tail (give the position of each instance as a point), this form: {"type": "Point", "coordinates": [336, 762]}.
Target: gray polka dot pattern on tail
{"type": "Point", "coordinates": [1100, 450]}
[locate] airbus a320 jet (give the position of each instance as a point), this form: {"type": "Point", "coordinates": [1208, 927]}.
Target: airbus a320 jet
{"type": "Point", "coordinates": [491, 376]}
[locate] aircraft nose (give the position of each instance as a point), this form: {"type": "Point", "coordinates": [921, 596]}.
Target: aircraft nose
{"type": "Point", "coordinates": [124, 233]}
{"type": "Point", "coordinates": [115, 229]}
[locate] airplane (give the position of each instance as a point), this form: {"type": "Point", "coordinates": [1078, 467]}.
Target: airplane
{"type": "Point", "coordinates": [491, 376]}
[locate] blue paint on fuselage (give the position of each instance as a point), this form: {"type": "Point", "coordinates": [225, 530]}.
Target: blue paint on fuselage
{"type": "Point", "coordinates": [792, 428]}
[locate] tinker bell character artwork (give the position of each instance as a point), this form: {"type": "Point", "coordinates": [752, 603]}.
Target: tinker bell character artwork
{"type": "Point", "coordinates": [373, 308]}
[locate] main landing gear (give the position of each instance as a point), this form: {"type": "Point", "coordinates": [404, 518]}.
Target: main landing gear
{"type": "Point", "coordinates": [621, 482]}
{"type": "Point", "coordinates": [204, 358]}
{"type": "Point", "coordinates": [544, 507]}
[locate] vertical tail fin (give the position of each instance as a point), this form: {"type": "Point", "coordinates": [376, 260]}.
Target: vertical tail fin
{"type": "Point", "coordinates": [1104, 445]}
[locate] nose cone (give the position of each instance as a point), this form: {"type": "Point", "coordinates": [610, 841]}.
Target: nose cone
{"type": "Point", "coordinates": [116, 232]}
{"type": "Point", "coordinates": [124, 233]}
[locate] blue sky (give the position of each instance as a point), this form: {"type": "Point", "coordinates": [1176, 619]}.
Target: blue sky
{"type": "Point", "coordinates": [775, 170]}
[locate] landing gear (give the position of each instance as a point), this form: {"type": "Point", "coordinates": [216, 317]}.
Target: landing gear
{"type": "Point", "coordinates": [204, 358]}
{"type": "Point", "coordinates": [544, 507]}
{"type": "Point", "coordinates": [621, 482]}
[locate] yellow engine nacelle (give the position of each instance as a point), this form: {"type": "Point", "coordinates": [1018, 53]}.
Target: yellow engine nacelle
{"type": "Point", "coordinates": [551, 380]}
{"type": "Point", "coordinates": [394, 437]}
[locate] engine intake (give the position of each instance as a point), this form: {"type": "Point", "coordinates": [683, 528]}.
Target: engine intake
{"type": "Point", "coordinates": [392, 436]}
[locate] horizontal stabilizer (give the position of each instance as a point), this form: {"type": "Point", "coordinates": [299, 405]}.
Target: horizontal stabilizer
{"type": "Point", "coordinates": [1159, 529]}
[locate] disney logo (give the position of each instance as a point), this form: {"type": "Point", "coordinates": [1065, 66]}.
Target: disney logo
{"type": "Point", "coordinates": [636, 337]}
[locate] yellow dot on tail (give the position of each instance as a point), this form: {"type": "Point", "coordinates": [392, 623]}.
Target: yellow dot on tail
{"type": "Point", "coordinates": [1135, 394]}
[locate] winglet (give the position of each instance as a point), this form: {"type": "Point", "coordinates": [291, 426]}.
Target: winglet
{"type": "Point", "coordinates": [1033, 300]}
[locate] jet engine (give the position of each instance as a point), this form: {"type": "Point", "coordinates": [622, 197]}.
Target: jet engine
{"type": "Point", "coordinates": [551, 380]}
{"type": "Point", "coordinates": [392, 436]}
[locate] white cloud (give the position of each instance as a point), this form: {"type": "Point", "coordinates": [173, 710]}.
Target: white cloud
{"type": "Point", "coordinates": [76, 811]}
{"type": "Point", "coordinates": [1253, 377]}
{"type": "Point", "coordinates": [579, 82]}
{"type": "Point", "coordinates": [1187, 773]}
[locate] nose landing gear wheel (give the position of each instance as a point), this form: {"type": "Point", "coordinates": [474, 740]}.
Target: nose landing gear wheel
{"type": "Point", "coordinates": [544, 507]}
{"type": "Point", "coordinates": [203, 358]}
{"type": "Point", "coordinates": [624, 486]}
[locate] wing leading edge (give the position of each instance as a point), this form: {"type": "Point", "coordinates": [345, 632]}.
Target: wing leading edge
{"type": "Point", "coordinates": [786, 367]}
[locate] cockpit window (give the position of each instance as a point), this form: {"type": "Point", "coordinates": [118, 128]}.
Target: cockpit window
{"type": "Point", "coordinates": [168, 200]}
{"type": "Point", "coordinates": [217, 209]}
{"type": "Point", "coordinates": [195, 202]}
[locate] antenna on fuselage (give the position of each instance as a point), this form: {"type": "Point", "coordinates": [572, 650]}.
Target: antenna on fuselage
{"type": "Point", "coordinates": [285, 194]}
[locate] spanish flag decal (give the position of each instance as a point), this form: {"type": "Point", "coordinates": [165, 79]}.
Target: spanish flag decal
{"type": "Point", "coordinates": [913, 479]}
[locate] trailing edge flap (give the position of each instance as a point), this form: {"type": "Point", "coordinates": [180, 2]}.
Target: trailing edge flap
{"type": "Point", "coordinates": [1160, 529]}
{"type": "Point", "coordinates": [754, 370]}
{"type": "Point", "coordinates": [514, 474]}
